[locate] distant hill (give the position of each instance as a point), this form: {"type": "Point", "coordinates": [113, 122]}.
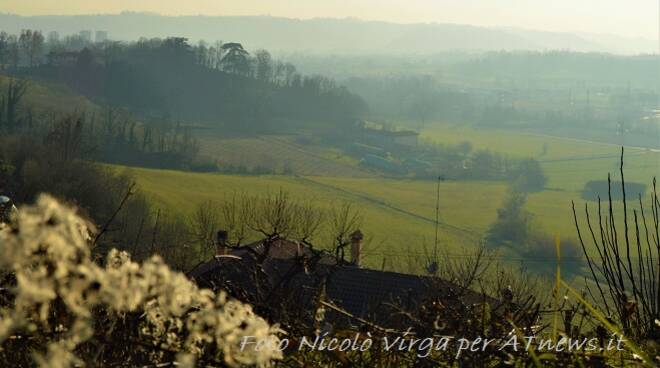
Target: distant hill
{"type": "Point", "coordinates": [52, 98]}
{"type": "Point", "coordinates": [348, 36]}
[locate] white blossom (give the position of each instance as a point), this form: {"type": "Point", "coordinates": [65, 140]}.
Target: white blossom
{"type": "Point", "coordinates": [46, 248]}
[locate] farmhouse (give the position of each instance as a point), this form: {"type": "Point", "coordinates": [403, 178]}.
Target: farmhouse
{"type": "Point", "coordinates": [358, 293]}
{"type": "Point", "coordinates": [387, 138]}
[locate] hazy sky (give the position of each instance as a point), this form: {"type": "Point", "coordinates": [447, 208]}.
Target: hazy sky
{"type": "Point", "coordinates": [621, 17]}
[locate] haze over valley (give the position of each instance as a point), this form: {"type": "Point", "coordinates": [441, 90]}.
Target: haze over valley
{"type": "Point", "coordinates": [407, 168]}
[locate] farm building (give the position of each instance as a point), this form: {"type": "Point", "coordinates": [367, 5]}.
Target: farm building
{"type": "Point", "coordinates": [302, 275]}
{"type": "Point", "coordinates": [388, 138]}
{"type": "Point", "coordinates": [382, 164]}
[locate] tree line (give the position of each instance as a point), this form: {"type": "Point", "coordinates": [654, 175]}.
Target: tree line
{"type": "Point", "coordinates": [220, 83]}
{"type": "Point", "coordinates": [108, 135]}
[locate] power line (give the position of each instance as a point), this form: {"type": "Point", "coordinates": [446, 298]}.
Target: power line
{"type": "Point", "coordinates": [493, 258]}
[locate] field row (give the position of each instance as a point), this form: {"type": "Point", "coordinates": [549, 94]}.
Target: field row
{"type": "Point", "coordinates": [278, 154]}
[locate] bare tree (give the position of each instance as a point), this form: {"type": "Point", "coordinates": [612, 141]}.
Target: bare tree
{"type": "Point", "coordinates": [4, 49]}
{"type": "Point", "coordinates": [468, 270]}
{"type": "Point", "coordinates": [309, 219]}
{"type": "Point", "coordinates": [344, 220]}
{"type": "Point", "coordinates": [32, 43]}
{"type": "Point", "coordinates": [270, 216]}
{"type": "Point", "coordinates": [15, 91]}
{"type": "Point", "coordinates": [204, 223]}
{"type": "Point", "coordinates": [14, 51]}
{"type": "Point", "coordinates": [264, 66]}
{"type": "Point", "coordinates": [625, 267]}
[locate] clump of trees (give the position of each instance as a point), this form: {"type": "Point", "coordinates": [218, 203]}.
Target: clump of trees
{"type": "Point", "coordinates": [515, 230]}
{"type": "Point", "coordinates": [27, 48]}
{"type": "Point", "coordinates": [28, 167]}
{"type": "Point", "coordinates": [59, 156]}
{"type": "Point", "coordinates": [595, 190]}
{"type": "Point", "coordinates": [528, 176]}
{"type": "Point", "coordinates": [218, 83]}
{"type": "Point", "coordinates": [513, 224]}
{"type": "Point", "coordinates": [462, 162]}
{"type": "Point", "coordinates": [107, 135]}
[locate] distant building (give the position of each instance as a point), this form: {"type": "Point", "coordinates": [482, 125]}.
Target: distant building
{"type": "Point", "coordinates": [86, 36]}
{"type": "Point", "coordinates": [100, 36]}
{"type": "Point", "coordinates": [384, 138]}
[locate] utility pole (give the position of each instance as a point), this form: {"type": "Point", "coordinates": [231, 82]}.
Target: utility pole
{"type": "Point", "coordinates": [432, 266]}
{"type": "Point", "coordinates": [437, 221]}
{"type": "Point", "coordinates": [437, 218]}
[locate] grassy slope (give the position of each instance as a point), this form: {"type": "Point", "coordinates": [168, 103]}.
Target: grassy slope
{"type": "Point", "coordinates": [399, 214]}
{"type": "Point", "coordinates": [52, 98]}
{"type": "Point", "coordinates": [277, 153]}
{"type": "Point", "coordinates": [392, 230]}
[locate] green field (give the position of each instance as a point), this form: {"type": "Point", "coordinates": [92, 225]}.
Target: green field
{"type": "Point", "coordinates": [519, 144]}
{"type": "Point", "coordinates": [279, 154]}
{"type": "Point", "coordinates": [568, 163]}
{"type": "Point", "coordinates": [399, 214]}
{"type": "Point", "coordinates": [393, 229]}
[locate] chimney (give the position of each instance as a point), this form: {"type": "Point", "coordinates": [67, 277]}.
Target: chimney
{"type": "Point", "coordinates": [356, 247]}
{"type": "Point", "coordinates": [221, 248]}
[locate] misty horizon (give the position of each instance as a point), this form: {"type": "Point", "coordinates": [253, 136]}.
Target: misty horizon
{"type": "Point", "coordinates": [337, 18]}
{"type": "Point", "coordinates": [587, 16]}
{"type": "Point", "coordinates": [287, 34]}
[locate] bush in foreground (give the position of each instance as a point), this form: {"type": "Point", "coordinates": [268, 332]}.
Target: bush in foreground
{"type": "Point", "coordinates": [58, 308]}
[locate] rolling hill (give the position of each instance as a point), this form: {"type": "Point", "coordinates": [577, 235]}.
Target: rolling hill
{"type": "Point", "coordinates": [326, 35]}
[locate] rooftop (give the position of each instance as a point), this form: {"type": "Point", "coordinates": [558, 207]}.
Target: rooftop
{"type": "Point", "coordinates": [362, 292]}
{"type": "Point", "coordinates": [391, 133]}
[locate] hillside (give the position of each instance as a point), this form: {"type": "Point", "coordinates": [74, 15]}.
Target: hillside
{"type": "Point", "coordinates": [393, 229]}
{"type": "Point", "coordinates": [52, 98]}
{"type": "Point", "coordinates": [327, 35]}
{"type": "Point", "coordinates": [399, 215]}
{"type": "Point", "coordinates": [278, 154]}
{"type": "Point", "coordinates": [395, 209]}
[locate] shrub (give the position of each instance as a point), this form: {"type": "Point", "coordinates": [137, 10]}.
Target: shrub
{"type": "Point", "coordinates": [513, 224]}
{"type": "Point", "coordinates": [602, 189]}
{"type": "Point", "coordinates": [542, 251]}
{"type": "Point", "coordinates": [65, 310]}
{"type": "Point", "coordinates": [529, 176]}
